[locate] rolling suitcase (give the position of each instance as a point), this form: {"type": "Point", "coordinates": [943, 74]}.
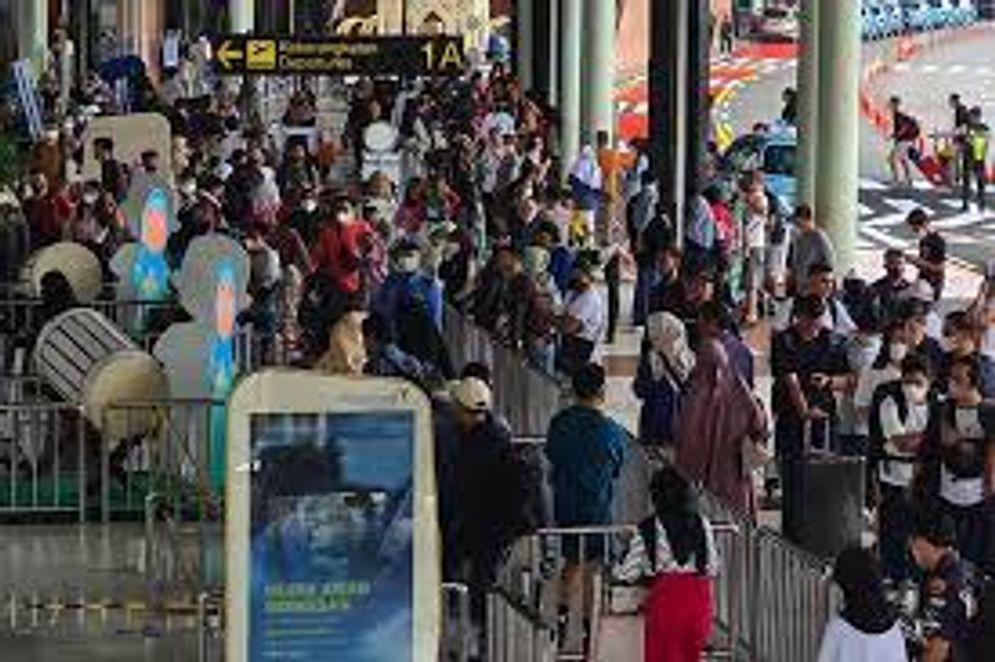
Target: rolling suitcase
{"type": "Point", "coordinates": [931, 169]}
{"type": "Point", "coordinates": [826, 493]}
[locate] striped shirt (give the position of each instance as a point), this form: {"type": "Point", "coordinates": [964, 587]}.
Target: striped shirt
{"type": "Point", "coordinates": [637, 565]}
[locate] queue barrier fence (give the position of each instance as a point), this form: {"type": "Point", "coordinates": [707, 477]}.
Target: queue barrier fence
{"type": "Point", "coordinates": [773, 599]}
{"type": "Point", "coordinates": [165, 447]}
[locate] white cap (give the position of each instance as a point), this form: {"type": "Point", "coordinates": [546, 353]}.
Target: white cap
{"type": "Point", "coordinates": [472, 394]}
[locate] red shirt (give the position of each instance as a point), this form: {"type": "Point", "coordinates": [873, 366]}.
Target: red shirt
{"type": "Point", "coordinates": [340, 253]}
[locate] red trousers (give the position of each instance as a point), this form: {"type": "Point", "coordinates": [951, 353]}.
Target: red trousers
{"type": "Point", "coordinates": [678, 618]}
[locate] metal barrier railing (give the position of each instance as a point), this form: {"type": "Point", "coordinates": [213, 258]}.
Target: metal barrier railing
{"type": "Point", "coordinates": [516, 632]}
{"type": "Point", "coordinates": [457, 631]}
{"type": "Point", "coordinates": [45, 459]}
{"type": "Point", "coordinates": [794, 598]}
{"type": "Point", "coordinates": [526, 397]}
{"type": "Point", "coordinates": [171, 448]}
{"type": "Point", "coordinates": [772, 599]}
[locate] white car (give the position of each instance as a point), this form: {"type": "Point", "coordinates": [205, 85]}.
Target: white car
{"type": "Point", "coordinates": [779, 24]}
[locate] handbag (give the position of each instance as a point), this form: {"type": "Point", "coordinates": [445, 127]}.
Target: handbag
{"type": "Point", "coordinates": [754, 451]}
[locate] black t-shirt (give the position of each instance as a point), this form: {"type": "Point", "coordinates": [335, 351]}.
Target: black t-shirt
{"type": "Point", "coordinates": [933, 249]}
{"type": "Point", "coordinates": [948, 599]}
{"type": "Point", "coordinates": [791, 354]}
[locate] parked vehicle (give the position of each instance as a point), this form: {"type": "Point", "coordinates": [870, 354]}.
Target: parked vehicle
{"type": "Point", "coordinates": [893, 18]}
{"type": "Point", "coordinates": [870, 28]}
{"type": "Point", "coordinates": [965, 12]}
{"type": "Point", "coordinates": [775, 153]}
{"type": "Point", "coordinates": [779, 24]}
{"type": "Point", "coordinates": [918, 15]}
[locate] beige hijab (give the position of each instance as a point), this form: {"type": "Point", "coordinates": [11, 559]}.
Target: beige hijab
{"type": "Point", "coordinates": [346, 353]}
{"type": "Point", "coordinates": [669, 346]}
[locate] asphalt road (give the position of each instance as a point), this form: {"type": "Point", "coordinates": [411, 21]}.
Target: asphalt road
{"type": "Point", "coordinates": [965, 66]}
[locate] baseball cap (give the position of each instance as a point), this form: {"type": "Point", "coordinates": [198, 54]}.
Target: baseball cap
{"type": "Point", "coordinates": [472, 394]}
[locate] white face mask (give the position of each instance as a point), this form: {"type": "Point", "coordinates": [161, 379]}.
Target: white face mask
{"type": "Point", "coordinates": [408, 264]}
{"type": "Point", "coordinates": [309, 206]}
{"type": "Point", "coordinates": [90, 198]}
{"type": "Point", "coordinates": [452, 250]}
{"type": "Point", "coordinates": [897, 351]}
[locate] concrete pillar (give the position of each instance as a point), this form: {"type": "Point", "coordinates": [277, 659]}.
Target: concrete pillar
{"type": "Point", "coordinates": [554, 51]}
{"type": "Point", "coordinates": [524, 42]}
{"type": "Point", "coordinates": [836, 199]}
{"type": "Point", "coordinates": [808, 101]}
{"type": "Point", "coordinates": [699, 108]}
{"type": "Point", "coordinates": [571, 25]}
{"type": "Point", "coordinates": [141, 24]}
{"type": "Point", "coordinates": [598, 106]}
{"type": "Point", "coordinates": [243, 15]}
{"type": "Point", "coordinates": [668, 87]}
{"type": "Point", "coordinates": [32, 39]}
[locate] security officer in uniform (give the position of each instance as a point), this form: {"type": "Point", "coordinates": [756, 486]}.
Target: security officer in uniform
{"type": "Point", "coordinates": [975, 158]}
{"type": "Point", "coordinates": [947, 598]}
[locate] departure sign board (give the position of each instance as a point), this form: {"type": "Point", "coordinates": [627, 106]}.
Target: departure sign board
{"type": "Point", "coordinates": [344, 56]}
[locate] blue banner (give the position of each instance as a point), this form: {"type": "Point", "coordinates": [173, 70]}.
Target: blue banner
{"type": "Point", "coordinates": [331, 537]}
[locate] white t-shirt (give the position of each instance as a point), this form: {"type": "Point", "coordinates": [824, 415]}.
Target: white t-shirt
{"type": "Point", "coordinates": [587, 307]}
{"type": "Point", "coordinates": [899, 473]}
{"type": "Point", "coordinates": [841, 642]}
{"type": "Point", "coordinates": [867, 382]}
{"type": "Point", "coordinates": [756, 229]}
{"type": "Point", "coordinates": [963, 491]}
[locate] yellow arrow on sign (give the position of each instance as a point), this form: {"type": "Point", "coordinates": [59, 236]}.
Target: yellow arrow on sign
{"type": "Point", "coordinates": [227, 54]}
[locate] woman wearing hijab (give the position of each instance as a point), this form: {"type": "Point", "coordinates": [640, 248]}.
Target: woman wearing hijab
{"type": "Point", "coordinates": [664, 367]}
{"type": "Point", "coordinates": [719, 416]}
{"type": "Point", "coordinates": [346, 354]}
{"type": "Point", "coordinates": [867, 629]}
{"type": "Point", "coordinates": [675, 551]}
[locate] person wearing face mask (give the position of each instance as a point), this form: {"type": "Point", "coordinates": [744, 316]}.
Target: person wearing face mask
{"type": "Point", "coordinates": [584, 320]}
{"type": "Point", "coordinates": [341, 248]}
{"type": "Point", "coordinates": [885, 368]}
{"type": "Point", "coordinates": [863, 348]}
{"type": "Point", "coordinates": [84, 227]}
{"type": "Point", "coordinates": [544, 302]}
{"type": "Point", "coordinates": [964, 446]}
{"type": "Point", "coordinates": [306, 217]}
{"type": "Point", "coordinates": [407, 286]}
{"type": "Point", "coordinates": [898, 424]}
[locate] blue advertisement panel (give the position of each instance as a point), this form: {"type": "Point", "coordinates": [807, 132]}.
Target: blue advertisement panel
{"type": "Point", "coordinates": [331, 546]}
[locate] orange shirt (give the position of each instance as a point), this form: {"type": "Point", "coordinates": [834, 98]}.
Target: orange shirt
{"type": "Point", "coordinates": [612, 163]}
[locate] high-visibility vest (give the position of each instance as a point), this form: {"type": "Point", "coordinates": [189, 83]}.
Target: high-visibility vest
{"type": "Point", "coordinates": [977, 138]}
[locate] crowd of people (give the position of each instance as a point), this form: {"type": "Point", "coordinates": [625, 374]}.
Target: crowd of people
{"type": "Point", "coordinates": [353, 277]}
